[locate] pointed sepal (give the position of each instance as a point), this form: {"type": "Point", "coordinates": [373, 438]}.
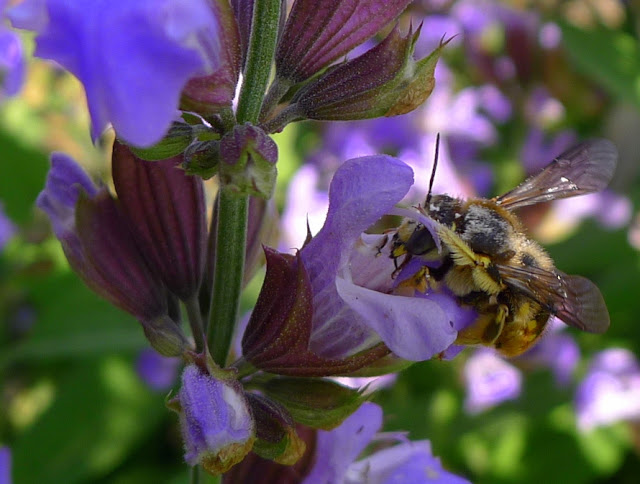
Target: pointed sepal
{"type": "Point", "coordinates": [278, 333]}
{"type": "Point", "coordinates": [165, 211]}
{"type": "Point", "coordinates": [318, 33]}
{"type": "Point", "coordinates": [317, 403]}
{"type": "Point", "coordinates": [115, 268]}
{"type": "Point", "coordinates": [276, 436]}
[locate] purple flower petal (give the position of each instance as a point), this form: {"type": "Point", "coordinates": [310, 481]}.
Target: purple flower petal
{"type": "Point", "coordinates": [352, 209]}
{"type": "Point", "coordinates": [65, 181]}
{"type": "Point", "coordinates": [133, 58]}
{"type": "Point", "coordinates": [338, 449]}
{"type": "Point", "coordinates": [610, 391]}
{"type": "Point", "coordinates": [216, 422]}
{"type": "Point", "coordinates": [490, 380]}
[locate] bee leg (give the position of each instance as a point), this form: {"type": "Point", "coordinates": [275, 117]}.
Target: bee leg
{"type": "Point", "coordinates": [417, 282]}
{"type": "Point", "coordinates": [379, 248]}
{"type": "Point", "coordinates": [494, 329]}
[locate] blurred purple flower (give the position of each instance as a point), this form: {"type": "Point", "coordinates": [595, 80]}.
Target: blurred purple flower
{"type": "Point", "coordinates": [489, 380]}
{"type": "Point", "coordinates": [337, 451]}
{"type": "Point", "coordinates": [610, 391]}
{"type": "Point", "coordinates": [550, 36]}
{"type": "Point", "coordinates": [5, 465]}
{"type": "Point", "coordinates": [157, 371]}
{"type": "Point", "coordinates": [491, 28]}
{"type": "Point", "coordinates": [539, 148]}
{"type": "Point", "coordinates": [542, 110]}
{"type": "Point", "coordinates": [12, 62]}
{"type": "Point", "coordinates": [112, 46]}
{"type": "Point", "coordinates": [7, 229]}
{"type": "Point", "coordinates": [217, 427]}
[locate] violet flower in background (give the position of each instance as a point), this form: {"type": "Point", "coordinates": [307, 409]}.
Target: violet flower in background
{"type": "Point", "coordinates": [176, 40]}
{"type": "Point", "coordinates": [12, 61]}
{"type": "Point", "coordinates": [557, 350]}
{"type": "Point", "coordinates": [610, 391]}
{"type": "Point", "coordinates": [5, 465]}
{"type": "Point", "coordinates": [7, 229]}
{"type": "Point", "coordinates": [157, 371]}
{"type": "Point", "coordinates": [490, 380]}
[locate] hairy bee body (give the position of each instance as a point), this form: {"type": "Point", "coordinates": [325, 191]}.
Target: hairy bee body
{"type": "Point", "coordinates": [489, 262]}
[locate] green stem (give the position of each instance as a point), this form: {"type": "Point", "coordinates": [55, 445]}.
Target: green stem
{"type": "Point", "coordinates": [228, 272]}
{"type": "Point", "coordinates": [195, 321]}
{"type": "Point", "coordinates": [232, 208]}
{"type": "Point", "coordinates": [262, 46]}
{"type": "Point", "coordinates": [195, 475]}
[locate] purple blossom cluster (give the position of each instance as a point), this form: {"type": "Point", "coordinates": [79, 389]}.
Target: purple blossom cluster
{"type": "Point", "coordinates": [337, 301]}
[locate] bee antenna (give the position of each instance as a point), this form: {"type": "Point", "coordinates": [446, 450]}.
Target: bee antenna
{"type": "Point", "coordinates": [433, 171]}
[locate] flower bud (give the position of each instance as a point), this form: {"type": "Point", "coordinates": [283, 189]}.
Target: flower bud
{"type": "Point", "coordinates": [217, 426]}
{"type": "Point", "coordinates": [275, 431]}
{"type": "Point", "coordinates": [249, 158]}
{"type": "Point", "coordinates": [213, 92]}
{"type": "Point", "coordinates": [384, 81]}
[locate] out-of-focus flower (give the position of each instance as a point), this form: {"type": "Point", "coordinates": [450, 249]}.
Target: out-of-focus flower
{"type": "Point", "coordinates": [7, 229]}
{"type": "Point", "coordinates": [489, 380]}
{"type": "Point", "coordinates": [5, 465]}
{"type": "Point", "coordinates": [610, 391]}
{"type": "Point", "coordinates": [157, 371]}
{"type": "Point", "coordinates": [12, 63]}
{"type": "Point", "coordinates": [217, 427]}
{"type": "Point", "coordinates": [113, 46]}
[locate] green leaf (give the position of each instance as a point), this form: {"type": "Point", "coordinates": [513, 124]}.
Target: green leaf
{"type": "Point", "coordinates": [22, 174]}
{"type": "Point", "coordinates": [317, 403]}
{"type": "Point", "coordinates": [610, 57]}
{"type": "Point", "coordinates": [73, 322]}
{"type": "Point", "coordinates": [102, 411]}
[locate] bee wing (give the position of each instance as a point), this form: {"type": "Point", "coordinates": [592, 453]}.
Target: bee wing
{"type": "Point", "coordinates": [575, 300]}
{"type": "Point", "coordinates": [585, 168]}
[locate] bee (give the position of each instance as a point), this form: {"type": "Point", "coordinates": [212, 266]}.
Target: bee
{"type": "Point", "coordinates": [489, 262]}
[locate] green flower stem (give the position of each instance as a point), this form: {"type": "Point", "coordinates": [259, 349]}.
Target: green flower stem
{"type": "Point", "coordinates": [229, 270]}
{"type": "Point", "coordinates": [262, 47]}
{"type": "Point", "coordinates": [232, 208]}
